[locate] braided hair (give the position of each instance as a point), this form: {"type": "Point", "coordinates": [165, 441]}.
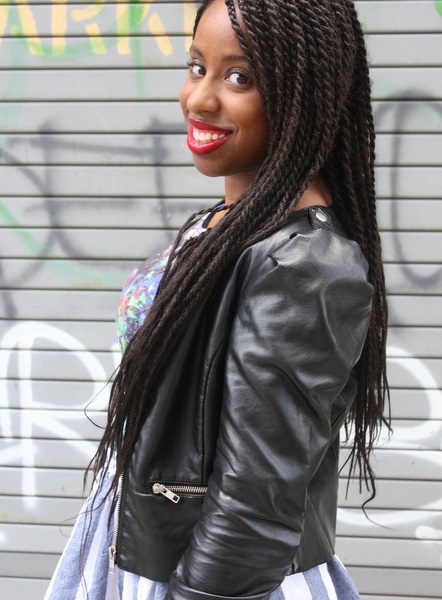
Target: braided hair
{"type": "Point", "coordinates": [310, 67]}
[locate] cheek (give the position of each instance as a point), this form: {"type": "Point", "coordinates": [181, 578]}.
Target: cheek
{"type": "Point", "coordinates": [254, 115]}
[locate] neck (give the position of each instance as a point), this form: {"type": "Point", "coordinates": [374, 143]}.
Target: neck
{"type": "Point", "coordinates": [317, 194]}
{"type": "Point", "coordinates": [236, 185]}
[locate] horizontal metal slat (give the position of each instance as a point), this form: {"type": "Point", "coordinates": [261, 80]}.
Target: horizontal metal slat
{"type": "Point", "coordinates": [43, 539]}
{"type": "Point", "coordinates": [389, 83]}
{"type": "Point", "coordinates": [410, 341]}
{"type": "Point", "coordinates": [399, 15]}
{"type": "Point", "coordinates": [410, 215]}
{"type": "Point", "coordinates": [171, 149]}
{"type": "Point", "coordinates": [101, 275]}
{"type": "Point", "coordinates": [22, 588]}
{"type": "Point", "coordinates": [29, 482]}
{"type": "Point", "coordinates": [95, 244]}
{"type": "Point", "coordinates": [399, 554]}
{"type": "Point", "coordinates": [136, 245]}
{"type": "Point", "coordinates": [142, 117]}
{"type": "Point", "coordinates": [423, 583]}
{"type": "Point", "coordinates": [398, 49]}
{"type": "Point", "coordinates": [133, 181]}
{"type": "Point", "coordinates": [67, 335]}
{"type": "Point", "coordinates": [38, 565]}
{"type": "Point", "coordinates": [49, 423]}
{"type": "Point", "coordinates": [39, 511]}
{"type": "Point", "coordinates": [109, 18]}
{"type": "Point", "coordinates": [394, 464]}
{"type": "Point", "coordinates": [396, 524]}
{"type": "Point", "coordinates": [385, 16]}
{"type": "Point", "coordinates": [396, 495]}
{"type": "Point", "coordinates": [405, 310]}
{"type": "Point", "coordinates": [106, 213]}
{"type": "Point", "coordinates": [139, 213]}
{"type": "Point", "coordinates": [53, 454]}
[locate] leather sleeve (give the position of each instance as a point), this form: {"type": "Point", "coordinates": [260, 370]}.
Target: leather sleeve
{"type": "Point", "coordinates": [299, 329]}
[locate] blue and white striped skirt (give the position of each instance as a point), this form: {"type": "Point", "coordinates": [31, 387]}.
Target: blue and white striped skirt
{"type": "Point", "coordinates": [83, 570]}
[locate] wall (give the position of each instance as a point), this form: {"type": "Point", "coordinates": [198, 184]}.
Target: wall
{"type": "Point", "coordinates": [93, 166]}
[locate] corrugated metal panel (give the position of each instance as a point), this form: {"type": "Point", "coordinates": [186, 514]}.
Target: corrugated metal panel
{"type": "Point", "coordinates": [89, 133]}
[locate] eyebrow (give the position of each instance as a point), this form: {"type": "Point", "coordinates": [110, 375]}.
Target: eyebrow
{"type": "Point", "coordinates": [225, 58]}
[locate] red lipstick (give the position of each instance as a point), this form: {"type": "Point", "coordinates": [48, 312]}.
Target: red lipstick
{"type": "Point", "coordinates": [202, 126]}
{"type": "Point", "coordinates": [206, 146]}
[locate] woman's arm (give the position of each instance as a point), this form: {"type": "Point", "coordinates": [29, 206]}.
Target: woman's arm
{"type": "Point", "coordinates": [299, 329]}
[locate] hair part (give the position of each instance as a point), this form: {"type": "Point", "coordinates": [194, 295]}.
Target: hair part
{"type": "Point", "coordinates": [310, 66]}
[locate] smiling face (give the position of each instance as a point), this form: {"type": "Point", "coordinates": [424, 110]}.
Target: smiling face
{"type": "Point", "coordinates": [227, 130]}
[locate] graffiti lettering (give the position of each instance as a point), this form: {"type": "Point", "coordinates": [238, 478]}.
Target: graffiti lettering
{"type": "Point", "coordinates": [106, 25]}
{"type": "Point", "coordinates": [27, 26]}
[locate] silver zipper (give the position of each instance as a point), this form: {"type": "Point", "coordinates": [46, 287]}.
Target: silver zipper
{"type": "Point", "coordinates": [113, 548]}
{"type": "Point", "coordinates": [170, 492]}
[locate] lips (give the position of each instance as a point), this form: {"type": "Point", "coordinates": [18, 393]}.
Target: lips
{"type": "Point", "coordinates": [204, 138]}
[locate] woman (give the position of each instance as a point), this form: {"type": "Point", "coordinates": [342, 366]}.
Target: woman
{"type": "Point", "coordinates": [267, 331]}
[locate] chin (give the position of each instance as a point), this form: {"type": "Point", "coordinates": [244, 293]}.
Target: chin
{"type": "Point", "coordinates": [208, 170]}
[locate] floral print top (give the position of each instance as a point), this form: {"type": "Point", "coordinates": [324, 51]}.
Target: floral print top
{"type": "Point", "coordinates": [142, 285]}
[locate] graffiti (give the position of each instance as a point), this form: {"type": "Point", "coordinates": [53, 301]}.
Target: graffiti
{"type": "Point", "coordinates": [119, 27]}
{"type": "Point", "coordinates": [411, 437]}
{"type": "Point", "coordinates": [21, 447]}
{"type": "Point", "coordinates": [400, 114]}
{"type": "Point", "coordinates": [56, 233]}
{"type": "Point", "coordinates": [22, 337]}
{"type": "Point", "coordinates": [106, 25]}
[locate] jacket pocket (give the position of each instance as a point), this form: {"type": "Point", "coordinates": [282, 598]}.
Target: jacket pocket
{"type": "Point", "coordinates": [174, 491]}
{"type": "Point", "coordinates": [157, 530]}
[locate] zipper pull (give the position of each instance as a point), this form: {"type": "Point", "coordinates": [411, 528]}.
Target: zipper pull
{"type": "Point", "coordinates": [112, 558]}
{"type": "Point", "coordinates": [159, 488]}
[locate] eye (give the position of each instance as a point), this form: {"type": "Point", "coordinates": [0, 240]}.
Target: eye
{"type": "Point", "coordinates": [238, 78]}
{"type": "Point", "coordinates": [196, 68]}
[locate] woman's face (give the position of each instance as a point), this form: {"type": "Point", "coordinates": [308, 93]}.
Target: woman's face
{"type": "Point", "coordinates": [227, 131]}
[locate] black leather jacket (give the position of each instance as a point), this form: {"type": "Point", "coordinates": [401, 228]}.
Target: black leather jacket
{"type": "Point", "coordinates": [245, 421]}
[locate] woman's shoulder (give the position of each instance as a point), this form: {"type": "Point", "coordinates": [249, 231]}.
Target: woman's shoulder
{"type": "Point", "coordinates": [311, 240]}
{"type": "Point", "coordinates": [310, 265]}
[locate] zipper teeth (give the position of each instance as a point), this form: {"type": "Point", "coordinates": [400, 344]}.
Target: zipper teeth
{"type": "Point", "coordinates": [188, 489]}
{"type": "Point", "coordinates": [113, 549]}
{"type": "Point", "coordinates": [118, 510]}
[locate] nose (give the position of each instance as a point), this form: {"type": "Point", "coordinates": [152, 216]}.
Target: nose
{"type": "Point", "coordinates": [200, 96]}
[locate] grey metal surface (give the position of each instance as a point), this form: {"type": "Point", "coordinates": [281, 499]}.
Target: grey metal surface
{"type": "Point", "coordinates": [92, 150]}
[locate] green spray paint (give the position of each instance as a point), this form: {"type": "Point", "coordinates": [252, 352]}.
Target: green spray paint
{"type": "Point", "coordinates": [438, 6]}
{"type": "Point", "coordinates": [69, 268]}
{"type": "Point", "coordinates": [131, 21]}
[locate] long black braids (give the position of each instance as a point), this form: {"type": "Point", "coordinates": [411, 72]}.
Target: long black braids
{"type": "Point", "coordinates": [309, 63]}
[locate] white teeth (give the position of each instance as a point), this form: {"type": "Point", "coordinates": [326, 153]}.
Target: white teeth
{"type": "Point", "coordinates": [201, 136]}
